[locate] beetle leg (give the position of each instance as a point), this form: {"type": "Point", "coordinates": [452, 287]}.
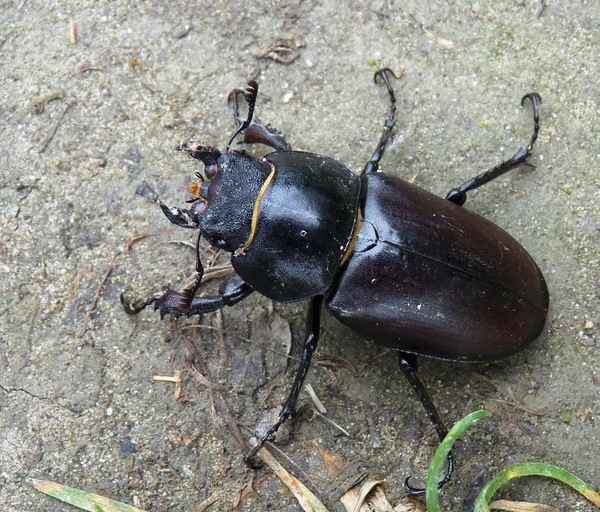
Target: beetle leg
{"type": "Point", "coordinates": [177, 304]}
{"type": "Point", "coordinates": [179, 217]}
{"type": "Point", "coordinates": [408, 365]}
{"type": "Point", "coordinates": [255, 132]}
{"type": "Point", "coordinates": [458, 195]}
{"type": "Point", "coordinates": [313, 322]}
{"type": "Point", "coordinates": [373, 163]}
{"type": "Point", "coordinates": [184, 303]}
{"type": "Point", "coordinates": [258, 133]}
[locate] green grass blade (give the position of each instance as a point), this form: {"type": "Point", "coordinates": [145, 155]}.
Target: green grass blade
{"type": "Point", "coordinates": [81, 499]}
{"type": "Point", "coordinates": [441, 455]}
{"type": "Point", "coordinates": [533, 469]}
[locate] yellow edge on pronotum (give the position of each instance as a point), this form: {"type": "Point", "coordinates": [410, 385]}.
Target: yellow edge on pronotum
{"type": "Point", "coordinates": [242, 248]}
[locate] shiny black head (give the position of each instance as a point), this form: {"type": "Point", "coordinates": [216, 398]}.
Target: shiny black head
{"type": "Point", "coordinates": [226, 197]}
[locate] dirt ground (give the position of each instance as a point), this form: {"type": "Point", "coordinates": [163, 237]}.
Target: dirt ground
{"type": "Point", "coordinates": [94, 98]}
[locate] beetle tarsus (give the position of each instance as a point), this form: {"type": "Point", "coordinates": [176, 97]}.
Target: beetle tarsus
{"type": "Point", "coordinates": [250, 95]}
{"type": "Point", "coordinates": [133, 308]}
{"type": "Point", "coordinates": [373, 163]}
{"type": "Point", "coordinates": [458, 195]}
{"type": "Point", "coordinates": [536, 101]}
{"type": "Point", "coordinates": [256, 132]}
{"type": "Point", "coordinates": [419, 491]}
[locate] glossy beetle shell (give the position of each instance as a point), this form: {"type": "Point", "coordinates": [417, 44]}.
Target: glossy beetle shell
{"type": "Point", "coordinates": [434, 279]}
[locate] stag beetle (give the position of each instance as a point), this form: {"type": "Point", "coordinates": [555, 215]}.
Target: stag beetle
{"type": "Point", "coordinates": [399, 266]}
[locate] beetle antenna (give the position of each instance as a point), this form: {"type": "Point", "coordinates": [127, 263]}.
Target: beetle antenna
{"type": "Point", "coordinates": [250, 95]}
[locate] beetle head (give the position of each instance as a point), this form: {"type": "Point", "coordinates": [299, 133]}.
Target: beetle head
{"type": "Point", "coordinates": [224, 200]}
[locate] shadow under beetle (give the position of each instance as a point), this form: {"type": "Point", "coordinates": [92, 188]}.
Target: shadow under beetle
{"type": "Point", "coordinates": [396, 264]}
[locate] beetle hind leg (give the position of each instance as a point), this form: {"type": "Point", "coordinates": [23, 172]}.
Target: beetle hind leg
{"type": "Point", "coordinates": [458, 195]}
{"type": "Point", "coordinates": [408, 365]}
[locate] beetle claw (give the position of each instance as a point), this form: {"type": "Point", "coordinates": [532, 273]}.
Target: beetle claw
{"type": "Point", "coordinates": [132, 308]}
{"type": "Point", "coordinates": [413, 491]}
{"type": "Point", "coordinates": [252, 463]}
{"type": "Point", "coordinates": [420, 491]}
{"type": "Point", "coordinates": [179, 217]}
{"type": "Point", "coordinates": [383, 72]}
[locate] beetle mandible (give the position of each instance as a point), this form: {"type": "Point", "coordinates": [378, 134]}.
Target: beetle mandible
{"type": "Point", "coordinates": [396, 264]}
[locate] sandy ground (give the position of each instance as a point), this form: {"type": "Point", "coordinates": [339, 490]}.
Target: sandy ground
{"type": "Point", "coordinates": [88, 130]}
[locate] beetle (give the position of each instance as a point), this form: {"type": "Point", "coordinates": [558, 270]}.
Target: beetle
{"type": "Point", "coordinates": [396, 264]}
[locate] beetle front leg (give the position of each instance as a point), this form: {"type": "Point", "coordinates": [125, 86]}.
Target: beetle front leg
{"type": "Point", "coordinates": [184, 303]}
{"type": "Point", "coordinates": [458, 195]}
{"type": "Point", "coordinates": [179, 217]}
{"type": "Point", "coordinates": [408, 365]}
{"type": "Point", "coordinates": [313, 323]}
{"type": "Point", "coordinates": [254, 131]}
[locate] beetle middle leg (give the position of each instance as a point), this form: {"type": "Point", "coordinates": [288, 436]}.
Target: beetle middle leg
{"type": "Point", "coordinates": [313, 322]}
{"type": "Point", "coordinates": [373, 164]}
{"type": "Point", "coordinates": [458, 195]}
